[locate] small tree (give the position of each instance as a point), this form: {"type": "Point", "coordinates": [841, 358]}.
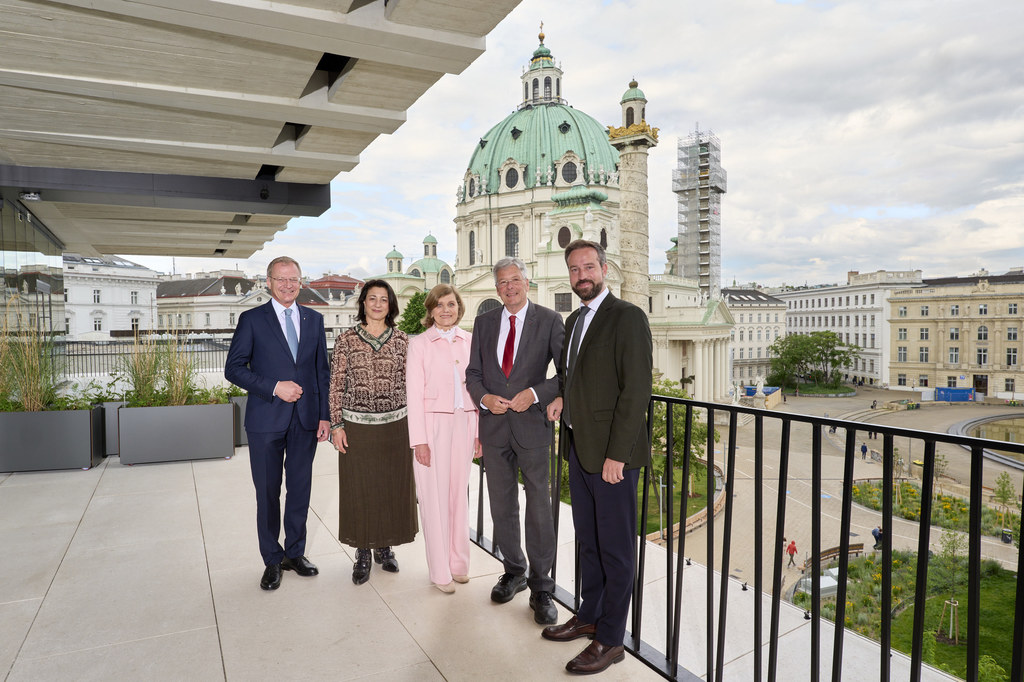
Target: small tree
{"type": "Point", "coordinates": [1004, 494]}
{"type": "Point", "coordinates": [414, 312]}
{"type": "Point", "coordinates": [990, 671]}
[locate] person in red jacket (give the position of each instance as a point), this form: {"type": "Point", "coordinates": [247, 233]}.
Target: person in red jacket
{"type": "Point", "coordinates": [791, 551]}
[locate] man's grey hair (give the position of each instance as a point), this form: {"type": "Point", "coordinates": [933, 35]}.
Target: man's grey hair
{"type": "Point", "coordinates": [508, 262]}
{"type": "Point", "coordinates": [282, 259]}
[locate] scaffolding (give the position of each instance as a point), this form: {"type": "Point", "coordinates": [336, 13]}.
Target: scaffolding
{"type": "Point", "coordinates": [699, 181]}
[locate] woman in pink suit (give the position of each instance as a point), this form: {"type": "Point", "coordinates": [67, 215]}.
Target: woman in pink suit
{"type": "Point", "coordinates": [442, 434]}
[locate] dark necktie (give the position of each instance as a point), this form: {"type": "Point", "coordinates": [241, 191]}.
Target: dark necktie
{"type": "Point", "coordinates": [293, 338]}
{"type": "Point", "coordinates": [510, 347]}
{"type": "Point", "coordinates": [574, 349]}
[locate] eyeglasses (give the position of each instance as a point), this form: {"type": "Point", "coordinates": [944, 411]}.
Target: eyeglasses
{"type": "Point", "coordinates": [505, 282]}
{"type": "Point", "coordinates": [286, 280]}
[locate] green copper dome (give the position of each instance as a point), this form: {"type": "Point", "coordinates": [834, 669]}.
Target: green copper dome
{"type": "Point", "coordinates": [394, 254]}
{"type": "Point", "coordinates": [430, 239]}
{"type": "Point", "coordinates": [633, 93]}
{"type": "Point", "coordinates": [537, 137]}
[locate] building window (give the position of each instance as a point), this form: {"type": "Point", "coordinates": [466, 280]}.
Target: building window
{"type": "Point", "coordinates": [629, 116]}
{"type": "Point", "coordinates": [872, 299]}
{"type": "Point", "coordinates": [135, 298]}
{"type": "Point", "coordinates": [982, 333]}
{"type": "Point", "coordinates": [446, 277]}
{"type": "Point", "coordinates": [603, 239]}
{"type": "Point", "coordinates": [564, 237]}
{"type": "Point", "coordinates": [922, 380]}
{"type": "Point", "coordinates": [954, 310]}
{"type": "Point", "coordinates": [1010, 385]}
{"type": "Point", "coordinates": [563, 303]}
{"type": "Point", "coordinates": [901, 311]}
{"type": "Point", "coordinates": [741, 353]}
{"type": "Point", "coordinates": [160, 322]}
{"type": "Point", "coordinates": [97, 324]}
{"type": "Point", "coordinates": [741, 335]}
{"type": "Point", "coordinates": [188, 320]}
{"type": "Point", "coordinates": [178, 320]}
{"type": "Point", "coordinates": [569, 172]}
{"type": "Point", "coordinates": [1011, 357]}
{"type": "Point", "coordinates": [231, 319]}
{"type": "Point", "coordinates": [67, 325]}
{"type": "Point", "coordinates": [872, 341]}
{"type": "Point", "coordinates": [135, 325]}
{"type": "Point", "coordinates": [901, 353]}
{"type": "Point", "coordinates": [924, 311]}
{"type": "Point", "coordinates": [511, 178]}
{"type": "Point", "coordinates": [547, 87]}
{"type": "Point", "coordinates": [1011, 333]}
{"type": "Point", "coordinates": [512, 241]}
{"type": "Point", "coordinates": [983, 308]}
{"type": "Point", "coordinates": [472, 247]}
{"type": "Point", "coordinates": [536, 88]}
{"type": "Point", "coordinates": [901, 379]}
{"type": "Point", "coordinates": [950, 382]}
{"type": "Point", "coordinates": [954, 355]}
{"type": "Point", "coordinates": [901, 334]}
{"type": "Point", "coordinates": [922, 354]}
{"type": "Point", "coordinates": [982, 356]}
{"type": "Point", "coordinates": [923, 333]}
{"type": "Point", "coordinates": [954, 333]}
{"type": "Point", "coordinates": [95, 295]}
{"type": "Point", "coordinates": [1012, 308]}
{"type": "Point", "coordinates": [206, 319]}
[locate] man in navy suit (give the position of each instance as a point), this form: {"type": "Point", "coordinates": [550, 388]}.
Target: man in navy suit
{"type": "Point", "coordinates": [279, 355]}
{"type": "Point", "coordinates": [605, 370]}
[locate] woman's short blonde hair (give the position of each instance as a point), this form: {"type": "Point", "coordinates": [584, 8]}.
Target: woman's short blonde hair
{"type": "Point", "coordinates": [435, 295]}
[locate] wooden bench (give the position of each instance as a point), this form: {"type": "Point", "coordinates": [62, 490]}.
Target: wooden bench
{"type": "Point", "coordinates": [832, 554]}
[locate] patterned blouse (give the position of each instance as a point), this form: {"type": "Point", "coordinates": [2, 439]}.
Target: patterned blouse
{"type": "Point", "coordinates": [368, 377]}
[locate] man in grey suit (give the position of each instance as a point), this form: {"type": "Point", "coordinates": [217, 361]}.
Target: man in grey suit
{"type": "Point", "coordinates": [508, 377]}
{"type": "Point", "coordinates": [605, 390]}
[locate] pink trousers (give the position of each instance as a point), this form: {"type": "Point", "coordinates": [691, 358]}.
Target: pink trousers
{"type": "Point", "coordinates": [441, 490]}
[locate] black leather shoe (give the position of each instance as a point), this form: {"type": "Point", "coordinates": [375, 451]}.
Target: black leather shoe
{"type": "Point", "coordinates": [386, 558]}
{"type": "Point", "coordinates": [507, 587]}
{"type": "Point", "coordinates": [595, 658]}
{"type": "Point", "coordinates": [544, 611]}
{"type": "Point", "coordinates": [361, 568]}
{"type": "Point", "coordinates": [271, 577]}
{"type": "Point", "coordinates": [572, 629]}
{"type": "Point", "coordinates": [300, 565]}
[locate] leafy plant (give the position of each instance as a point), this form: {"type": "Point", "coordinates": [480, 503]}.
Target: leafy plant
{"type": "Point", "coordinates": [32, 369]}
{"type": "Point", "coordinates": [413, 313]}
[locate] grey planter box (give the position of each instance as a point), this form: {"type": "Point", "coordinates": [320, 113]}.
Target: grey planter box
{"type": "Point", "coordinates": [175, 433]}
{"type": "Point", "coordinates": [239, 403]}
{"type": "Point", "coordinates": [44, 441]}
{"type": "Point", "coordinates": [110, 427]}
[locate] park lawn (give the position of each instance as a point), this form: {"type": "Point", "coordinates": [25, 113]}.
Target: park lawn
{"type": "Point", "coordinates": [820, 389]}
{"type": "Point", "coordinates": [998, 593]}
{"type": "Point", "coordinates": [693, 505]}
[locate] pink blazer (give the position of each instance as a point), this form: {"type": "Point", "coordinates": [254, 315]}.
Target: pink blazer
{"type": "Point", "coordinates": [428, 379]}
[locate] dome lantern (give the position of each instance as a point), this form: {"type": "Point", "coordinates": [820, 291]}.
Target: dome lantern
{"type": "Point", "coordinates": [634, 105]}
{"type": "Point", "coordinates": [542, 81]}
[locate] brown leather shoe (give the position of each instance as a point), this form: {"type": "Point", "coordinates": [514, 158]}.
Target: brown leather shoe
{"type": "Point", "coordinates": [572, 629]}
{"type": "Point", "coordinates": [595, 658]}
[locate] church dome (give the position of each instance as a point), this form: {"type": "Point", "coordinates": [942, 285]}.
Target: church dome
{"type": "Point", "coordinates": [541, 132]}
{"type": "Point", "coordinates": [633, 93]}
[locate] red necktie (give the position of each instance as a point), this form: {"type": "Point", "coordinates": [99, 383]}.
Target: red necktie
{"type": "Point", "coordinates": [510, 347]}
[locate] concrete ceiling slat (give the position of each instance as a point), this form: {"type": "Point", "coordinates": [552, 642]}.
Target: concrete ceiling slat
{"type": "Point", "coordinates": [382, 85]}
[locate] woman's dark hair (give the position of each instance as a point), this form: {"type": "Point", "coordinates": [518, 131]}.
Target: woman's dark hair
{"type": "Point", "coordinates": [392, 301]}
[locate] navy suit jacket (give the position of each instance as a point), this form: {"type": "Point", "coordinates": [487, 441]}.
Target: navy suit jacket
{"type": "Point", "coordinates": [259, 358]}
{"type": "Point", "coordinates": [539, 344]}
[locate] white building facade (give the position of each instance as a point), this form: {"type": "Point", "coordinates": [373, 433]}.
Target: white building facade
{"type": "Point", "coordinates": [760, 321]}
{"type": "Point", "coordinates": [107, 297]}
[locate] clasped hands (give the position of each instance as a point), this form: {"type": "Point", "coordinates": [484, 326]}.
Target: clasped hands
{"type": "Point", "coordinates": [498, 405]}
{"type": "Point", "coordinates": [290, 392]}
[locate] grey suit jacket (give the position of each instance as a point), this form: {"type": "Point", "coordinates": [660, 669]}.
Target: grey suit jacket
{"type": "Point", "coordinates": [539, 344]}
{"type": "Point", "coordinates": [610, 388]}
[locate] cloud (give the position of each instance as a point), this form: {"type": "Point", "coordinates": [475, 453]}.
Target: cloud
{"type": "Point", "coordinates": [856, 135]}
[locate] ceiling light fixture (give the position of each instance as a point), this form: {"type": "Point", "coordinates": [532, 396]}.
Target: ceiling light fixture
{"type": "Point", "coordinates": [29, 196]}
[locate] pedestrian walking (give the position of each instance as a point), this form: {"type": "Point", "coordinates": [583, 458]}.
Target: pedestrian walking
{"type": "Point", "coordinates": [791, 551]}
{"type": "Point", "coordinates": [863, 450]}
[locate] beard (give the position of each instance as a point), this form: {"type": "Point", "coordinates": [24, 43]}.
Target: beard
{"type": "Point", "coordinates": [587, 293]}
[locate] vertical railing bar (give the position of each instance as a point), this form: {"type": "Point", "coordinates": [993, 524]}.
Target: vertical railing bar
{"type": "Point", "coordinates": [758, 540]}
{"type": "Point", "coordinates": [709, 453]}
{"type": "Point", "coordinates": [670, 624]}
{"type": "Point", "coordinates": [923, 540]}
{"type": "Point", "coordinates": [723, 594]}
{"type": "Point", "coordinates": [638, 584]}
{"type": "Point", "coordinates": [844, 555]}
{"type": "Point", "coordinates": [974, 565]}
{"type": "Point", "coordinates": [680, 554]}
{"type": "Point", "coordinates": [886, 596]}
{"type": "Point", "coordinates": [816, 552]}
{"type": "Point", "coordinates": [780, 523]}
{"type": "Point", "coordinates": [1017, 664]}
{"type": "Point", "coordinates": [555, 476]}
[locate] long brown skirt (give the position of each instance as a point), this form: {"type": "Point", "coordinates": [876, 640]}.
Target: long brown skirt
{"type": "Point", "coordinates": [377, 500]}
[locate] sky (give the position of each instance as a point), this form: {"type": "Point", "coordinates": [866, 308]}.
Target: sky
{"type": "Point", "coordinates": [857, 135]}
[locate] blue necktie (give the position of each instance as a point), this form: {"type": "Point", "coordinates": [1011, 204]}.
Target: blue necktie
{"type": "Point", "coordinates": [293, 338]}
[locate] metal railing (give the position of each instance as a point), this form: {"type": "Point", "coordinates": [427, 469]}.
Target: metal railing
{"type": "Point", "coordinates": [100, 358]}
{"type": "Point", "coordinates": [663, 656]}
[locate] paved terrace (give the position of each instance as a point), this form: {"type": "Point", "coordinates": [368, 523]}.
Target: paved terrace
{"type": "Point", "coordinates": [151, 572]}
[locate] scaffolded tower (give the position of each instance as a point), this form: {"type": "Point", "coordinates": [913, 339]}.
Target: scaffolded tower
{"type": "Point", "coordinates": [699, 181]}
